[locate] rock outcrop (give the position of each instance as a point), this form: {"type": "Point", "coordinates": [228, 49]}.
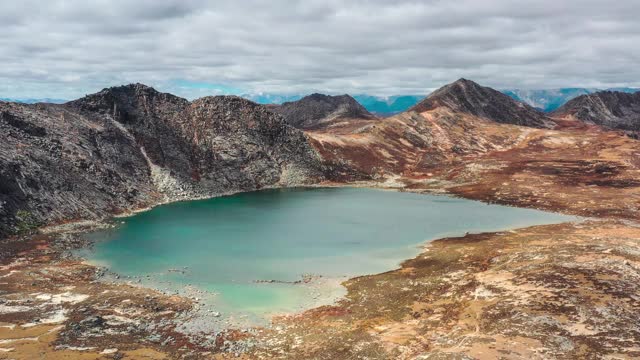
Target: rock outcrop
{"type": "Point", "coordinates": [610, 109]}
{"type": "Point", "coordinates": [56, 164]}
{"type": "Point", "coordinates": [131, 146]}
{"type": "Point", "coordinates": [318, 111]}
{"type": "Point", "coordinates": [466, 96]}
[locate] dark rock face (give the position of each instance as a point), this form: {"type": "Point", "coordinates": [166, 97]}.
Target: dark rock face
{"type": "Point", "coordinates": [131, 146]}
{"type": "Point", "coordinates": [468, 97]}
{"type": "Point", "coordinates": [56, 164]}
{"type": "Point", "coordinates": [150, 116]}
{"type": "Point", "coordinates": [317, 111]}
{"type": "Point", "coordinates": [239, 143]}
{"type": "Point", "coordinates": [611, 109]}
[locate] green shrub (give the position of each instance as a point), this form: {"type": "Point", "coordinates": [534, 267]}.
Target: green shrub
{"type": "Point", "coordinates": [25, 221]}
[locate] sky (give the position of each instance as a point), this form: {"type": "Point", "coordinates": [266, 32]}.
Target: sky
{"type": "Point", "coordinates": [193, 48]}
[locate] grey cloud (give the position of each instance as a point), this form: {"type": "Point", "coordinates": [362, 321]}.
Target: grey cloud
{"type": "Point", "coordinates": [69, 48]}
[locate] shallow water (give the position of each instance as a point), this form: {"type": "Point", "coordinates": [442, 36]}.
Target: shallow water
{"type": "Point", "coordinates": [224, 246]}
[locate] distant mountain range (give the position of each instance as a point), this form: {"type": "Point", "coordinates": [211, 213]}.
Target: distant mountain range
{"type": "Point", "coordinates": [272, 98]}
{"type": "Point", "coordinates": [551, 99]}
{"type": "Point", "coordinates": [381, 106]}
{"type": "Point", "coordinates": [547, 100]}
{"type": "Point", "coordinates": [33, 101]}
{"type": "Point", "coordinates": [388, 106]}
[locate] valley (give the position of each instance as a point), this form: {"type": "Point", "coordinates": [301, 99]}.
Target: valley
{"type": "Point", "coordinates": [564, 290]}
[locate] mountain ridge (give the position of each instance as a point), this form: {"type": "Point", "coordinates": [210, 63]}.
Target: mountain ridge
{"type": "Point", "coordinates": [131, 146]}
{"type": "Point", "coordinates": [469, 97]}
{"type": "Point", "coordinates": [549, 100]}
{"type": "Point", "coordinates": [546, 100]}
{"type": "Point", "coordinates": [610, 109]}
{"type": "Point", "coordinates": [318, 110]}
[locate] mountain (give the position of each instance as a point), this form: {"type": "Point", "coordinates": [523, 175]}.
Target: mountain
{"type": "Point", "coordinates": [461, 131]}
{"type": "Point", "coordinates": [388, 106]}
{"type": "Point", "coordinates": [466, 96]}
{"type": "Point", "coordinates": [611, 109]}
{"type": "Point", "coordinates": [57, 164]}
{"type": "Point", "coordinates": [544, 99]}
{"type": "Point", "coordinates": [411, 144]}
{"type": "Point", "coordinates": [131, 146]}
{"type": "Point", "coordinates": [551, 99]}
{"type": "Point", "coordinates": [460, 120]}
{"type": "Point", "coordinates": [318, 111]}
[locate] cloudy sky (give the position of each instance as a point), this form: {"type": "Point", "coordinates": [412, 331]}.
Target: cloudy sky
{"type": "Point", "coordinates": [65, 49]}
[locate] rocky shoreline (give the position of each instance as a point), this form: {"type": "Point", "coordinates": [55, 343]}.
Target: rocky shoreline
{"type": "Point", "coordinates": [173, 317]}
{"type": "Point", "coordinates": [87, 323]}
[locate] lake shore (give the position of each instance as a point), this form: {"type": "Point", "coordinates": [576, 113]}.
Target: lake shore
{"type": "Point", "coordinates": [372, 320]}
{"type": "Point", "coordinates": [454, 279]}
{"type": "Point", "coordinates": [250, 255]}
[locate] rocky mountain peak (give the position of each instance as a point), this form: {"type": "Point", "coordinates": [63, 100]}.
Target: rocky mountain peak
{"type": "Point", "coordinates": [130, 91]}
{"type": "Point", "coordinates": [234, 112]}
{"type": "Point", "coordinates": [130, 103]}
{"type": "Point", "coordinates": [464, 82]}
{"type": "Point", "coordinates": [232, 102]}
{"type": "Point", "coordinates": [319, 110]}
{"type": "Point", "coordinates": [611, 109]}
{"type": "Point", "coordinates": [469, 97]}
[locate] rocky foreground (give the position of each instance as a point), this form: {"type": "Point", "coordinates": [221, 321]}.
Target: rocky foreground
{"type": "Point", "coordinates": [567, 291]}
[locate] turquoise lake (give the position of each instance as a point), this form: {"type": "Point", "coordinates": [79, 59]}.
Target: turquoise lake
{"type": "Point", "coordinates": [224, 249]}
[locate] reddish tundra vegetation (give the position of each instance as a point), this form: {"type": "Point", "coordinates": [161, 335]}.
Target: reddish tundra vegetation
{"type": "Point", "coordinates": [556, 291]}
